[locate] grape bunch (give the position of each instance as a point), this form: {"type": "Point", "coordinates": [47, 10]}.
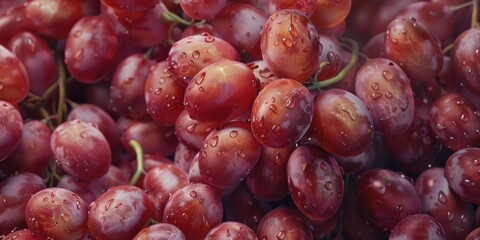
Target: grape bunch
{"type": "Point", "coordinates": [239, 119]}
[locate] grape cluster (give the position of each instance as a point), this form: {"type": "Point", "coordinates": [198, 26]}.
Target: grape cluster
{"type": "Point", "coordinates": [239, 119]}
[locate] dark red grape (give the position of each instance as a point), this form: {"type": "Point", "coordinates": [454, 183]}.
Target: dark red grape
{"type": "Point", "coordinates": [461, 172]}
{"type": "Point", "coordinates": [282, 113]}
{"type": "Point", "coordinates": [387, 197]}
{"type": "Point", "coordinates": [341, 123]}
{"type": "Point", "coordinates": [384, 13]}
{"type": "Point", "coordinates": [15, 192]}
{"type": "Point", "coordinates": [241, 25]}
{"type": "Point", "coordinates": [418, 226]}
{"type": "Point", "coordinates": [23, 234]}
{"type": "Point", "coordinates": [473, 235]}
{"type": "Point", "coordinates": [213, 95]}
{"type": "Point", "coordinates": [141, 28]}
{"type": "Point", "coordinates": [14, 84]}
{"type": "Point", "coordinates": [160, 231]}
{"type": "Point", "coordinates": [228, 155]}
{"type": "Point", "coordinates": [414, 48]}
{"type": "Point", "coordinates": [191, 54]}
{"type": "Point", "coordinates": [202, 9]}
{"type": "Point", "coordinates": [38, 59]}
{"type": "Point", "coordinates": [283, 223]}
{"type": "Point", "coordinates": [119, 213]}
{"type": "Point", "coordinates": [33, 153]}
{"type": "Point", "coordinates": [90, 49]}
{"type": "Point", "coordinates": [127, 90]}
{"type": "Point", "coordinates": [442, 203]}
{"type": "Point", "coordinates": [268, 180]}
{"type": "Point", "coordinates": [466, 59]}
{"type": "Point", "coordinates": [163, 95]}
{"type": "Point", "coordinates": [231, 230]}
{"type": "Point", "coordinates": [160, 182]}
{"type": "Point", "coordinates": [315, 182]}
{"type": "Point", "coordinates": [131, 5]}
{"type": "Point", "coordinates": [385, 89]}
{"type": "Point", "coordinates": [305, 6]}
{"type": "Point", "coordinates": [57, 213]}
{"type": "Point", "coordinates": [195, 209]}
{"type": "Point", "coordinates": [13, 21]}
{"type": "Point", "coordinates": [11, 122]}
{"type": "Point", "coordinates": [53, 18]}
{"type": "Point", "coordinates": [375, 47]}
{"type": "Point", "coordinates": [81, 150]}
{"type": "Point", "coordinates": [330, 13]}
{"type": "Point", "coordinates": [456, 121]}
{"type": "Point", "coordinates": [290, 34]}
{"type": "Point", "coordinates": [192, 132]}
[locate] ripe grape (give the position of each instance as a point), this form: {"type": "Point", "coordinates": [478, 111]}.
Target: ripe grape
{"type": "Point", "coordinates": [465, 56]}
{"type": "Point", "coordinates": [290, 34]}
{"type": "Point", "coordinates": [341, 123]}
{"type": "Point", "coordinates": [57, 213]}
{"type": "Point", "coordinates": [119, 213]}
{"type": "Point", "coordinates": [461, 170]}
{"type": "Point", "coordinates": [283, 223]}
{"type": "Point", "coordinates": [194, 209]}
{"type": "Point", "coordinates": [14, 83]}
{"type": "Point", "coordinates": [23, 234]}
{"type": "Point", "coordinates": [202, 9]}
{"type": "Point", "coordinates": [81, 150]}
{"type": "Point", "coordinates": [214, 96]}
{"type": "Point", "coordinates": [12, 123]}
{"type": "Point", "coordinates": [330, 13]}
{"type": "Point", "coordinates": [385, 89]}
{"type": "Point", "coordinates": [231, 230]}
{"type": "Point", "coordinates": [192, 132]}
{"type": "Point", "coordinates": [305, 6]}
{"type": "Point", "coordinates": [161, 231]}
{"type": "Point", "coordinates": [282, 113]}
{"type": "Point", "coordinates": [418, 226]}
{"type": "Point", "coordinates": [315, 182]}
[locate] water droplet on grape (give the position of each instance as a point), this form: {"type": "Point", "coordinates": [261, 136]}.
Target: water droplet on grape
{"type": "Point", "coordinates": [323, 166]}
{"type": "Point", "coordinates": [65, 217]}
{"type": "Point", "coordinates": [376, 95]}
{"type": "Point", "coordinates": [108, 203]}
{"type": "Point", "coordinates": [398, 209]}
{"type": "Point", "coordinates": [375, 86]}
{"type": "Point", "coordinates": [387, 75]}
{"type": "Point", "coordinates": [442, 198]}
{"type": "Point", "coordinates": [77, 33]}
{"type": "Point", "coordinates": [209, 39]}
{"type": "Point", "coordinates": [273, 108]}
{"type": "Point", "coordinates": [78, 55]}
{"type": "Point", "coordinates": [193, 194]}
{"type": "Point", "coordinates": [241, 154]}
{"type": "Point", "coordinates": [329, 185]}
{"type": "Point", "coordinates": [233, 133]}
{"type": "Point", "coordinates": [276, 129]}
{"type": "Point", "coordinates": [388, 95]}
{"type": "Point", "coordinates": [214, 141]}
{"type": "Point", "coordinates": [199, 78]}
{"type": "Point", "coordinates": [281, 235]}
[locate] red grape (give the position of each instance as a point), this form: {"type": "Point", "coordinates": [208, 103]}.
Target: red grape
{"type": "Point", "coordinates": [23, 234]}
{"type": "Point", "coordinates": [231, 230]}
{"type": "Point", "coordinates": [12, 125]}
{"type": "Point", "coordinates": [290, 34]}
{"type": "Point", "coordinates": [131, 5]}
{"type": "Point", "coordinates": [305, 6]}
{"type": "Point", "coordinates": [461, 172]}
{"type": "Point", "coordinates": [466, 59]}
{"type": "Point", "coordinates": [418, 226]}
{"type": "Point", "coordinates": [194, 209]}
{"type": "Point", "coordinates": [160, 231]}
{"type": "Point", "coordinates": [202, 9]}
{"type": "Point", "coordinates": [283, 223]}
{"type": "Point", "coordinates": [282, 113]}
{"type": "Point", "coordinates": [57, 213]}
{"type": "Point", "coordinates": [81, 150]}
{"type": "Point", "coordinates": [214, 96]}
{"type": "Point", "coordinates": [330, 13]}
{"type": "Point", "coordinates": [119, 213]}
{"type": "Point", "coordinates": [14, 83]}
{"type": "Point", "coordinates": [192, 132]}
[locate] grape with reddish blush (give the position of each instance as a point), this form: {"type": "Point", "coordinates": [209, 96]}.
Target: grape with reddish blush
{"type": "Point", "coordinates": [213, 95]}
{"type": "Point", "coordinates": [11, 123]}
{"type": "Point", "coordinates": [290, 34]}
{"type": "Point", "coordinates": [15, 192]}
{"type": "Point", "coordinates": [466, 59]}
{"type": "Point", "coordinates": [202, 9]}
{"type": "Point", "coordinates": [131, 5]}
{"type": "Point", "coordinates": [119, 213]}
{"type": "Point", "coordinates": [231, 230]}
{"type": "Point", "coordinates": [282, 113]}
{"type": "Point", "coordinates": [23, 234]}
{"type": "Point", "coordinates": [14, 83]}
{"type": "Point", "coordinates": [315, 182]}
{"type": "Point", "coordinates": [81, 150]}
{"type": "Point", "coordinates": [160, 231]}
{"type": "Point", "coordinates": [330, 13]}
{"type": "Point", "coordinates": [283, 223]}
{"type": "Point", "coordinates": [57, 213]}
{"type": "Point", "coordinates": [461, 172]}
{"type": "Point", "coordinates": [195, 209]}
{"type": "Point", "coordinates": [418, 226]}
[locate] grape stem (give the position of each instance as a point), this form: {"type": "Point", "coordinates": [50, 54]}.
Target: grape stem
{"type": "Point", "coordinates": [461, 6]}
{"type": "Point", "coordinates": [447, 49]}
{"type": "Point", "coordinates": [172, 17]}
{"type": "Point", "coordinates": [474, 23]}
{"type": "Point", "coordinates": [343, 72]}
{"type": "Point", "coordinates": [139, 154]}
{"type": "Point", "coordinates": [61, 91]}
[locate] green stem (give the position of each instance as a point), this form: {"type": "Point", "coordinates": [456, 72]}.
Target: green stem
{"type": "Point", "coordinates": [474, 23]}
{"type": "Point", "coordinates": [139, 154]}
{"type": "Point", "coordinates": [170, 39]}
{"type": "Point", "coordinates": [447, 49]}
{"type": "Point", "coordinates": [345, 70]}
{"type": "Point", "coordinates": [172, 17]}
{"type": "Point", "coordinates": [461, 6]}
{"type": "Point", "coordinates": [61, 91]}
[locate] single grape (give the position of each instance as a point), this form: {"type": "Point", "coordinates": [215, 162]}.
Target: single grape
{"type": "Point", "coordinates": [13, 21]}
{"type": "Point", "coordinates": [14, 83]}
{"type": "Point", "coordinates": [283, 223]}
{"type": "Point", "coordinates": [15, 192]}
{"type": "Point", "coordinates": [202, 9]}
{"type": "Point", "coordinates": [57, 213]}
{"type": "Point", "coordinates": [160, 231]}
{"type": "Point", "coordinates": [465, 56]}
{"type": "Point", "coordinates": [282, 113]}
{"type": "Point", "coordinates": [290, 34]}
{"type": "Point", "coordinates": [119, 213]}
{"type": "Point", "coordinates": [418, 226]}
{"type": "Point", "coordinates": [461, 172]}
{"type": "Point", "coordinates": [81, 150]}
{"type": "Point", "coordinates": [214, 95]}
{"type": "Point", "coordinates": [11, 122]}
{"type": "Point", "coordinates": [330, 13]}
{"type": "Point", "coordinates": [195, 209]}
{"type": "Point", "coordinates": [315, 182]}
{"type": "Point", "coordinates": [231, 230]}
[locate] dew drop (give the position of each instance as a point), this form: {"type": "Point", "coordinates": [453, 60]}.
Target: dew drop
{"type": "Point", "coordinates": [78, 34]}
{"type": "Point", "coordinates": [65, 217]}
{"type": "Point", "coordinates": [233, 133]}
{"type": "Point", "coordinates": [241, 154]}
{"type": "Point", "coordinates": [195, 54]}
{"type": "Point", "coordinates": [287, 42]}
{"type": "Point", "coordinates": [387, 75]}
{"type": "Point", "coordinates": [442, 198]}
{"type": "Point", "coordinates": [193, 194]}
{"type": "Point", "coordinates": [291, 103]}
{"type": "Point", "coordinates": [375, 86]}
{"type": "Point", "coordinates": [108, 204]}
{"type": "Point", "coordinates": [214, 141]}
{"type": "Point", "coordinates": [381, 190]}
{"type": "Point", "coordinates": [440, 126]}
{"type": "Point", "coordinates": [276, 129]}
{"type": "Point", "coordinates": [376, 95]}
{"type": "Point", "coordinates": [398, 209]}
{"type": "Point", "coordinates": [281, 235]}
{"type": "Point", "coordinates": [323, 166]}
{"type": "Point", "coordinates": [83, 134]}
{"type": "Point", "coordinates": [293, 30]}
{"type": "Point", "coordinates": [329, 185]}
{"type": "Point", "coordinates": [209, 39]}
{"type": "Point", "coordinates": [273, 108]}
{"type": "Point", "coordinates": [449, 215]}
{"type": "Point", "coordinates": [199, 78]}
{"type": "Point", "coordinates": [183, 54]}
{"type": "Point", "coordinates": [388, 95]}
